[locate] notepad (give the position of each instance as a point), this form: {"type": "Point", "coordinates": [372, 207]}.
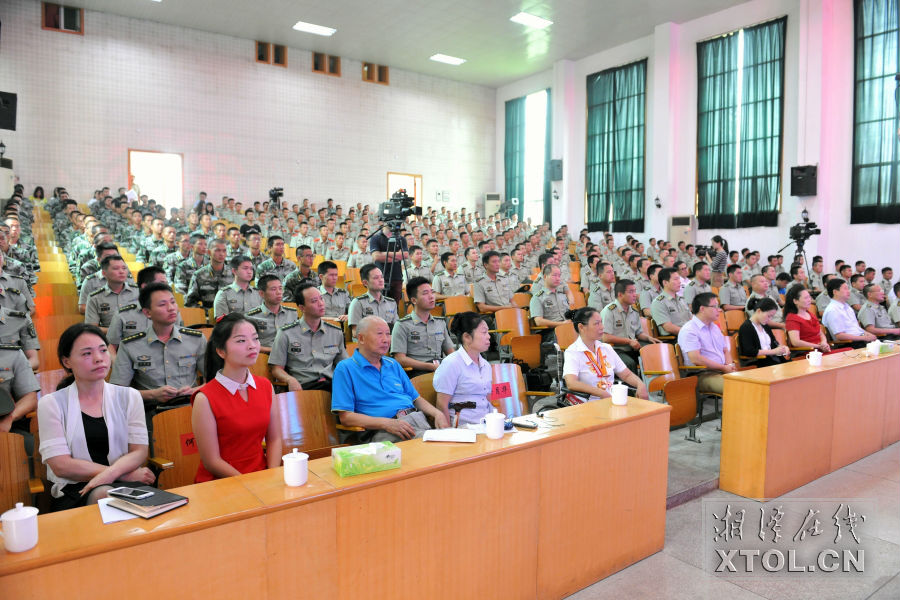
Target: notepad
{"type": "Point", "coordinates": [449, 435]}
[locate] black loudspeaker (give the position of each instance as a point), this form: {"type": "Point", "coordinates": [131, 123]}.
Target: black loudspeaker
{"type": "Point", "coordinates": [7, 111]}
{"type": "Point", "coordinates": [804, 180]}
{"type": "Point", "coordinates": [556, 170]}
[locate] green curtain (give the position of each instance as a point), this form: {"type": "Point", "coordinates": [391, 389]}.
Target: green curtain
{"type": "Point", "coordinates": [762, 109]}
{"type": "Point", "coordinates": [548, 150]}
{"type": "Point", "coordinates": [876, 133]}
{"type": "Point", "coordinates": [716, 131]}
{"type": "Point", "coordinates": [614, 170]}
{"type": "Point", "coordinates": [514, 154]}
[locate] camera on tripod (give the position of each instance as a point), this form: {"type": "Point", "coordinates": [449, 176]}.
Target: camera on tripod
{"type": "Point", "coordinates": [398, 207]}
{"type": "Point", "coordinates": [803, 231]}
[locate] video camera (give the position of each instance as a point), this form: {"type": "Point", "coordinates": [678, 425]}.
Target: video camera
{"type": "Point", "coordinates": [275, 194]}
{"type": "Point", "coordinates": [803, 231]}
{"type": "Point", "coordinates": [702, 250]}
{"type": "Point", "coordinates": [398, 208]}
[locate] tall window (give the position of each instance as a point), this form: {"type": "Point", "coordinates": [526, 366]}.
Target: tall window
{"type": "Point", "coordinates": [526, 155]}
{"type": "Point", "coordinates": [615, 148]}
{"type": "Point", "coordinates": [740, 106]}
{"type": "Point", "coordinates": [876, 123]}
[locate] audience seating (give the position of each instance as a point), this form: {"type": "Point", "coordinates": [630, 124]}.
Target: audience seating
{"type": "Point", "coordinates": [733, 319]}
{"type": "Point", "coordinates": [662, 376]}
{"type": "Point", "coordinates": [16, 484]}
{"type": "Point", "coordinates": [307, 423]}
{"type": "Point", "coordinates": [517, 404]}
{"type": "Point", "coordinates": [173, 448]}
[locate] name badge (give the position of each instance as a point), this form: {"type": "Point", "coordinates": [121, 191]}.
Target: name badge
{"type": "Point", "coordinates": [500, 391]}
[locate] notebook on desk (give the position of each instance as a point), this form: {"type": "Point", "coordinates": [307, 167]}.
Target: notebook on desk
{"type": "Point", "coordinates": [160, 502]}
{"type": "Point", "coordinates": [449, 435]}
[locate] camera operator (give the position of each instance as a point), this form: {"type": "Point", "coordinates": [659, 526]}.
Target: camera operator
{"type": "Point", "coordinates": [390, 263]}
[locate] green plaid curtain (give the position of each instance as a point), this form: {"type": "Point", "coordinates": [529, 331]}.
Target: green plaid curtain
{"type": "Point", "coordinates": [876, 124]}
{"type": "Point", "coordinates": [514, 154]}
{"type": "Point", "coordinates": [614, 173]}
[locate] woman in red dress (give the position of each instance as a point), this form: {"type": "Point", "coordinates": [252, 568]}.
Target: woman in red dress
{"type": "Point", "coordinates": [235, 411]}
{"type": "Point", "coordinates": [802, 326]}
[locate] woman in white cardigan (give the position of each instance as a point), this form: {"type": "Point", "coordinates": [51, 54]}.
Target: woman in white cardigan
{"type": "Point", "coordinates": [93, 434]}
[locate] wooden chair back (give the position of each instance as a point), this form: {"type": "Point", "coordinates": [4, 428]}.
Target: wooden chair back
{"type": "Point", "coordinates": [521, 299]}
{"type": "Point", "coordinates": [47, 357]}
{"type": "Point", "coordinates": [780, 336]}
{"type": "Point", "coordinates": [351, 275]}
{"type": "Point", "coordinates": [579, 299]}
{"type": "Point", "coordinates": [813, 310]}
{"type": "Point", "coordinates": [194, 317]}
{"type": "Point", "coordinates": [526, 348]}
{"type": "Point", "coordinates": [51, 327]}
{"type": "Point", "coordinates": [173, 439]}
{"type": "Point", "coordinates": [356, 289]}
{"type": "Point", "coordinates": [734, 319]}
{"type": "Point", "coordinates": [341, 267]}
{"type": "Point", "coordinates": [513, 319]}
{"type": "Point", "coordinates": [566, 335]}
{"type": "Point", "coordinates": [659, 365]}
{"type": "Point", "coordinates": [261, 367]}
{"type": "Point", "coordinates": [48, 380]}
{"type": "Point", "coordinates": [15, 481]}
{"type": "Point", "coordinates": [457, 304]}
{"type": "Point", "coordinates": [424, 384]}
{"type": "Point", "coordinates": [720, 321]}
{"type": "Point", "coordinates": [575, 271]}
{"type": "Point", "coordinates": [307, 423]}
{"type": "Point", "coordinates": [351, 347]}
{"type": "Point", "coordinates": [517, 404]}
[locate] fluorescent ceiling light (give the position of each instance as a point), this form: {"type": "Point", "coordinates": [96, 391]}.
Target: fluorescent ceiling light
{"type": "Point", "coordinates": [450, 60]}
{"type": "Point", "coordinates": [529, 20]}
{"type": "Point", "coordinates": [316, 29]}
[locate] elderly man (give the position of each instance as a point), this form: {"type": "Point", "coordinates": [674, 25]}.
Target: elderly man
{"type": "Point", "coordinates": [372, 391]}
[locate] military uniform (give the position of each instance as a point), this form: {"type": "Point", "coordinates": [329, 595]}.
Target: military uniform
{"type": "Point", "coordinates": [204, 285]}
{"type": "Point", "coordinates": [257, 260]}
{"type": "Point", "coordinates": [103, 303]}
{"type": "Point", "coordinates": [295, 280]}
{"type": "Point", "coordinates": [185, 270]}
{"type": "Point", "coordinates": [647, 295]}
{"type": "Point", "coordinates": [420, 340]}
{"type": "Point", "coordinates": [894, 312]}
{"type": "Point", "coordinates": [231, 251]}
{"type": "Point", "coordinates": [161, 252]}
{"type": "Point", "coordinates": [146, 363]}
{"type": "Point", "coordinates": [822, 301]}
{"type": "Point", "coordinates": [232, 298]}
{"type": "Point", "coordinates": [16, 327]}
{"type": "Point", "coordinates": [320, 246]}
{"type": "Point", "coordinates": [302, 240]}
{"type": "Point", "coordinates": [308, 355]}
{"type": "Point", "coordinates": [732, 293]}
{"type": "Point", "coordinates": [778, 317]}
{"type": "Point", "coordinates": [420, 271]}
{"type": "Point", "coordinates": [472, 273]}
{"type": "Point", "coordinates": [130, 320]}
{"type": "Point", "coordinates": [521, 274]}
{"type": "Point", "coordinates": [549, 305]}
{"type": "Point", "coordinates": [336, 303]}
{"type": "Point", "coordinates": [335, 253]}
{"type": "Point", "coordinates": [281, 271]}
{"type": "Point", "coordinates": [170, 265]}
{"type": "Point", "coordinates": [601, 296]}
{"type": "Point", "coordinates": [359, 259]}
{"type": "Point", "coordinates": [666, 309]}
{"type": "Point", "coordinates": [366, 305]}
{"type": "Point", "coordinates": [446, 284]}
{"type": "Point", "coordinates": [694, 288]}
{"type": "Point", "coordinates": [149, 246]}
{"type": "Point", "coordinates": [856, 297]}
{"type": "Point", "coordinates": [622, 322]}
{"type": "Point", "coordinates": [14, 293]}
{"type": "Point", "coordinates": [491, 292]}
{"type": "Point", "coordinates": [268, 323]}
{"type": "Point", "coordinates": [874, 314]}
{"type": "Point", "coordinates": [16, 376]}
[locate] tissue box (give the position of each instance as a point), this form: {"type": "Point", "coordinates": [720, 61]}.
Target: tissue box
{"type": "Point", "coordinates": [365, 458]}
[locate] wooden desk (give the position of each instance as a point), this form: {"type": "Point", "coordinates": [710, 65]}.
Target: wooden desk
{"type": "Point", "coordinates": [790, 424]}
{"type": "Point", "coordinates": [534, 515]}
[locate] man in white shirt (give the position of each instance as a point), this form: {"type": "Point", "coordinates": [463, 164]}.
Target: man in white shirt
{"type": "Point", "coordinates": [840, 318]}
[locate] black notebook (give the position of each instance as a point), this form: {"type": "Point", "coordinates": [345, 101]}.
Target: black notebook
{"type": "Point", "coordinates": [160, 502]}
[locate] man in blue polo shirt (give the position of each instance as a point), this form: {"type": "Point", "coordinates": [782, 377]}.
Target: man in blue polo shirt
{"type": "Point", "coordinates": [372, 391]}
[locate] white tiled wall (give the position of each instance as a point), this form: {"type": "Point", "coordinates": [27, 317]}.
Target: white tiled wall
{"type": "Point", "coordinates": [243, 127]}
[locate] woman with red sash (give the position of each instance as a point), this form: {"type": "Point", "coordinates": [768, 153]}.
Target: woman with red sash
{"type": "Point", "coordinates": [590, 365]}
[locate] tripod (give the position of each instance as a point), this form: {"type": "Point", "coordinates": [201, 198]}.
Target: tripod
{"type": "Point", "coordinates": [394, 244]}
{"type": "Point", "coordinates": [801, 251]}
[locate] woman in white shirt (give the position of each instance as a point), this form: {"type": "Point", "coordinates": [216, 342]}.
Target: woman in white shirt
{"type": "Point", "coordinates": [591, 366]}
{"type": "Point", "coordinates": [93, 434]}
{"type": "Point", "coordinates": [463, 379]}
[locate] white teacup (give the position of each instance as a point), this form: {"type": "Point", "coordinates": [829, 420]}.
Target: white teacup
{"type": "Point", "coordinates": [619, 393]}
{"type": "Point", "coordinates": [493, 425]}
{"type": "Point", "coordinates": [20, 528]}
{"type": "Point", "coordinates": [296, 468]}
{"type": "Point", "coordinates": [814, 358]}
{"type": "Point", "coordinates": [873, 348]}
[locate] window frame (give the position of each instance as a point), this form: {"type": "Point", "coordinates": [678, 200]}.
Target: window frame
{"type": "Point", "coordinates": [62, 29]}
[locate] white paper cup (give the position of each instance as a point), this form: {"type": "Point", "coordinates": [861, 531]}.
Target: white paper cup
{"type": "Point", "coordinates": [493, 425]}
{"type": "Point", "coordinates": [20, 528]}
{"type": "Point", "coordinates": [814, 358]}
{"type": "Point", "coordinates": [619, 394]}
{"type": "Point", "coordinates": [873, 348]}
{"type": "Point", "coordinates": [296, 468]}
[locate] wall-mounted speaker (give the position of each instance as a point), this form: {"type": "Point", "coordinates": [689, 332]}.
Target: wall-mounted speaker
{"type": "Point", "coordinates": [804, 180]}
{"type": "Point", "coordinates": [7, 111]}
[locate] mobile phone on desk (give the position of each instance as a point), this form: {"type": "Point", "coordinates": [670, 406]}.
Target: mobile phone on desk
{"type": "Point", "coordinates": [129, 493]}
{"type": "Point", "coordinates": [524, 423]}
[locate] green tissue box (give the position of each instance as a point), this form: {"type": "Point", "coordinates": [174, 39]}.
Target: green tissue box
{"type": "Point", "coordinates": [365, 458]}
